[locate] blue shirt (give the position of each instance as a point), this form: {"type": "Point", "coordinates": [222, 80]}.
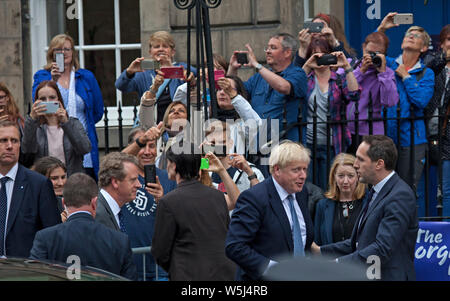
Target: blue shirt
{"type": "Point", "coordinates": [139, 219]}
{"type": "Point", "coordinates": [270, 104]}
{"type": "Point", "coordinates": [80, 107]}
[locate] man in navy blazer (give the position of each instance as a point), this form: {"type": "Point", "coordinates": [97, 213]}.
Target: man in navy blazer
{"type": "Point", "coordinates": [94, 243]}
{"type": "Point", "coordinates": [388, 224]}
{"type": "Point", "coordinates": [262, 225]}
{"type": "Point", "coordinates": [29, 203]}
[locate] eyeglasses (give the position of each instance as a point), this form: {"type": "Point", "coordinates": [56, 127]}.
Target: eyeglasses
{"type": "Point", "coordinates": [3, 96]}
{"type": "Point", "coordinates": [63, 49]}
{"type": "Point", "coordinates": [271, 48]}
{"type": "Point", "coordinates": [413, 35]}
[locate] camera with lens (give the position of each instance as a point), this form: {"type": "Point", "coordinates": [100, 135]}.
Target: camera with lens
{"type": "Point", "coordinates": [376, 59]}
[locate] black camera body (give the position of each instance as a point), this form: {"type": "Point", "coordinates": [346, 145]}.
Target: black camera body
{"type": "Point", "coordinates": [326, 59]}
{"type": "Point", "coordinates": [376, 60]}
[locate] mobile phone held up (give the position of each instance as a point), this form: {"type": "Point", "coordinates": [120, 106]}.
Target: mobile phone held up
{"type": "Point", "coordinates": [314, 27]}
{"type": "Point", "coordinates": [218, 74]}
{"type": "Point", "coordinates": [59, 59]}
{"type": "Point", "coordinates": [150, 173]}
{"type": "Point", "coordinates": [326, 59]}
{"type": "Point", "coordinates": [404, 19]}
{"type": "Point", "coordinates": [150, 65]}
{"type": "Point", "coordinates": [242, 58]}
{"type": "Point", "coordinates": [173, 72]}
{"type": "Point", "coordinates": [204, 164]}
{"type": "Point", "coordinates": [51, 106]}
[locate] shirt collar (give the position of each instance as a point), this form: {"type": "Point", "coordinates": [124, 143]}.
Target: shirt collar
{"type": "Point", "coordinates": [12, 172]}
{"type": "Point", "coordinates": [399, 61]}
{"type": "Point", "coordinates": [81, 211]}
{"type": "Point", "coordinates": [380, 184]}
{"type": "Point", "coordinates": [111, 202]}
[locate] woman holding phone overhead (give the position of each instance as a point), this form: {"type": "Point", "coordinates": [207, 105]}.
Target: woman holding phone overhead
{"type": "Point", "coordinates": [137, 79]}
{"type": "Point", "coordinates": [80, 92]}
{"type": "Point", "coordinates": [53, 133]}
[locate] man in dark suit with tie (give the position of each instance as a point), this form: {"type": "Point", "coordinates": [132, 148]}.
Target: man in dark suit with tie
{"type": "Point", "coordinates": [118, 179]}
{"type": "Point", "coordinates": [271, 220]}
{"type": "Point", "coordinates": [27, 200]}
{"type": "Point", "coordinates": [95, 244]}
{"type": "Point", "coordinates": [387, 226]}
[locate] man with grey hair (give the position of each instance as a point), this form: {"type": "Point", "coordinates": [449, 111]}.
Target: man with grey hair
{"type": "Point", "coordinates": [118, 180]}
{"type": "Point", "coordinates": [275, 92]}
{"type": "Point", "coordinates": [271, 220]}
{"type": "Point", "coordinates": [415, 85]}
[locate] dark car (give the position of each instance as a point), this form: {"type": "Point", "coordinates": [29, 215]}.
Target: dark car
{"type": "Point", "coordinates": [24, 269]}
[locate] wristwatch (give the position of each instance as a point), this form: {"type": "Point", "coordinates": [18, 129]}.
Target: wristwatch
{"type": "Point", "coordinates": [141, 145]}
{"type": "Point", "coordinates": [253, 176]}
{"type": "Point", "coordinates": [258, 67]}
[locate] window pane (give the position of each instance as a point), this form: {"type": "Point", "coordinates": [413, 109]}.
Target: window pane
{"type": "Point", "coordinates": [98, 22]}
{"type": "Point", "coordinates": [130, 25]}
{"type": "Point", "coordinates": [101, 63]}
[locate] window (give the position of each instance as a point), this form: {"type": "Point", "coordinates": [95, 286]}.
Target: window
{"type": "Point", "coordinates": [104, 46]}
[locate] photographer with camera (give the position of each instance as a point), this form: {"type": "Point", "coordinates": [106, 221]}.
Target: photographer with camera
{"type": "Point", "coordinates": [378, 85]}
{"type": "Point", "coordinates": [328, 92]}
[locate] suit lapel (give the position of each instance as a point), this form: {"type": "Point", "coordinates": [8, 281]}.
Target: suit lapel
{"type": "Point", "coordinates": [108, 211]}
{"type": "Point", "coordinates": [277, 206]}
{"type": "Point", "coordinates": [384, 191]}
{"type": "Point", "coordinates": [18, 194]}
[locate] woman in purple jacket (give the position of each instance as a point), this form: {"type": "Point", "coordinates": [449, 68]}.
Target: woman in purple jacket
{"type": "Point", "coordinates": [378, 83]}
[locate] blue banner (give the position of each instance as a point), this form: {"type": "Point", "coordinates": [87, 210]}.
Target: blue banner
{"type": "Point", "coordinates": [432, 255]}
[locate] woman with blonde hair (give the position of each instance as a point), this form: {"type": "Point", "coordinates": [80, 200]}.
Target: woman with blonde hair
{"type": "Point", "coordinates": [338, 212]}
{"type": "Point", "coordinates": [80, 92]}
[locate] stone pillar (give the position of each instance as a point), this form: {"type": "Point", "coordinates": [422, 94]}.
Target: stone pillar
{"type": "Point", "coordinates": [11, 63]}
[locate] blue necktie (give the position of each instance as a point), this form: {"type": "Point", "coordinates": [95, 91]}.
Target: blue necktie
{"type": "Point", "coordinates": [122, 222]}
{"type": "Point", "coordinates": [296, 232]}
{"type": "Point", "coordinates": [3, 211]}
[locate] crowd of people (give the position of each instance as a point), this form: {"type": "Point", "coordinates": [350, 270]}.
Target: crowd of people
{"type": "Point", "coordinates": [220, 208]}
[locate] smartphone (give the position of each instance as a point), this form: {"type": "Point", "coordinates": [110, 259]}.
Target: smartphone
{"type": "Point", "coordinates": [404, 19]}
{"type": "Point", "coordinates": [327, 59]}
{"type": "Point", "coordinates": [204, 164]}
{"type": "Point", "coordinates": [313, 27]}
{"type": "Point", "coordinates": [150, 173]}
{"type": "Point", "coordinates": [242, 58]}
{"type": "Point", "coordinates": [218, 74]}
{"type": "Point", "coordinates": [51, 106]}
{"type": "Point", "coordinates": [173, 72]}
{"type": "Point", "coordinates": [150, 65]}
{"type": "Point", "coordinates": [59, 59]}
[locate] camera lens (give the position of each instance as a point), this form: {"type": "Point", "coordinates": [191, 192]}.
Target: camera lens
{"type": "Point", "coordinates": [376, 60]}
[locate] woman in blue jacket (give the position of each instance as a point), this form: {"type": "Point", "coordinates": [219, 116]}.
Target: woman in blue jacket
{"type": "Point", "coordinates": [80, 92]}
{"type": "Point", "coordinates": [415, 85]}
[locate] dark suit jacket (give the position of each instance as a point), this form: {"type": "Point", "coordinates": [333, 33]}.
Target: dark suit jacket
{"type": "Point", "coordinates": [260, 229]}
{"type": "Point", "coordinates": [95, 244]}
{"type": "Point", "coordinates": [33, 207]}
{"type": "Point", "coordinates": [104, 213]}
{"type": "Point", "coordinates": [389, 231]}
{"type": "Point", "coordinates": [189, 237]}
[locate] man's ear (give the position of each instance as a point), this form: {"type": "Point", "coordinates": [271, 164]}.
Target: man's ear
{"type": "Point", "coordinates": [380, 164]}
{"type": "Point", "coordinates": [63, 203]}
{"type": "Point", "coordinates": [94, 203]}
{"type": "Point", "coordinates": [114, 183]}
